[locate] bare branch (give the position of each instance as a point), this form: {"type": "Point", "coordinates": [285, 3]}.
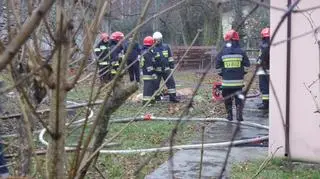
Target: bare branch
{"type": "Point", "coordinates": [307, 9]}
{"type": "Point", "coordinates": [313, 98]}
{"type": "Point", "coordinates": [201, 155]}
{"type": "Point", "coordinates": [297, 37]}
{"type": "Point", "coordinates": [89, 39]}
{"type": "Point", "coordinates": [27, 29]}
{"type": "Point", "coordinates": [265, 163]}
{"type": "Point", "coordinates": [48, 29]}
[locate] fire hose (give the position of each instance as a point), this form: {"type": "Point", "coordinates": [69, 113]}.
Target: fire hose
{"type": "Point", "coordinates": [179, 147]}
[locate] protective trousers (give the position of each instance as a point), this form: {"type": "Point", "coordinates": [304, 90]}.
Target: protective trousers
{"type": "Point", "coordinates": [134, 71]}
{"type": "Point", "coordinates": [264, 89]}
{"type": "Point", "coordinates": [148, 90]}
{"type": "Point", "coordinates": [171, 85]}
{"type": "Point", "coordinates": [226, 93]}
{"type": "Point", "coordinates": [105, 73]}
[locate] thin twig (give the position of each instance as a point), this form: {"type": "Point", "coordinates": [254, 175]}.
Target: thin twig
{"type": "Point", "coordinates": [307, 9]}
{"type": "Point", "coordinates": [27, 29]}
{"type": "Point", "coordinates": [287, 13]}
{"type": "Point", "coordinates": [46, 24]}
{"type": "Point", "coordinates": [186, 110]}
{"type": "Point", "coordinates": [113, 81]}
{"type": "Point", "coordinates": [225, 162]}
{"type": "Point", "coordinates": [202, 149]}
{"type": "Point", "coordinates": [266, 5]}
{"type": "Point", "coordinates": [313, 98]}
{"type": "Point", "coordinates": [296, 37]}
{"type": "Point", "coordinates": [265, 163]}
{"type": "Point", "coordinates": [100, 173]}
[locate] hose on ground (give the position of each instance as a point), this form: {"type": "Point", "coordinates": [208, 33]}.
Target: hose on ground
{"type": "Point", "coordinates": [176, 147]}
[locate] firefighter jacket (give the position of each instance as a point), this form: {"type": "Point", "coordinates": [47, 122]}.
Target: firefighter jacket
{"type": "Point", "coordinates": [116, 56]}
{"type": "Point", "coordinates": [147, 64]}
{"type": "Point", "coordinates": [101, 51]}
{"type": "Point", "coordinates": [163, 57]}
{"type": "Point", "coordinates": [233, 63]}
{"type": "Point", "coordinates": [136, 51]}
{"type": "Point", "coordinates": [264, 57]}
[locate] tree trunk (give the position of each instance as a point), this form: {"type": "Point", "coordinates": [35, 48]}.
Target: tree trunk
{"type": "Point", "coordinates": [208, 31]}
{"type": "Point", "coordinates": [119, 96]}
{"type": "Point", "coordinates": [25, 140]}
{"type": "Point", "coordinates": [56, 153]}
{"type": "Point", "coordinates": [24, 128]}
{"type": "Point", "coordinates": [237, 18]}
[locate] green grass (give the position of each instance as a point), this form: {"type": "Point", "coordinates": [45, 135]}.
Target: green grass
{"type": "Point", "coordinates": [151, 133]}
{"type": "Point", "coordinates": [124, 166]}
{"type": "Point", "coordinates": [276, 168]}
{"type": "Point", "coordinates": [145, 134]}
{"type": "Point", "coordinates": [82, 93]}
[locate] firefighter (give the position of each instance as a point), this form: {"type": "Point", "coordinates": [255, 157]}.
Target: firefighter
{"type": "Point", "coordinates": [149, 76]}
{"type": "Point", "coordinates": [134, 69]}
{"type": "Point", "coordinates": [232, 62]}
{"type": "Point", "coordinates": [265, 64]}
{"type": "Point", "coordinates": [164, 63]}
{"type": "Point", "coordinates": [118, 53]}
{"type": "Point", "coordinates": [101, 51]}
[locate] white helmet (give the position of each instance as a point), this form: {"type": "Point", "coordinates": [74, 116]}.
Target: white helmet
{"type": "Point", "coordinates": [157, 36]}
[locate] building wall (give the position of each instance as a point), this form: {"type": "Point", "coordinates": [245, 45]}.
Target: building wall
{"type": "Point", "coordinates": [304, 122]}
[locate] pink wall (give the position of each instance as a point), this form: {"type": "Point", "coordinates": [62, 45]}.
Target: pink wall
{"type": "Point", "coordinates": [304, 123]}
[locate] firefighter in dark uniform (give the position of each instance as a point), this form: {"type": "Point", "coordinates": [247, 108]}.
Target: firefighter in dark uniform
{"type": "Point", "coordinates": [134, 69]}
{"type": "Point", "coordinates": [101, 51]}
{"type": "Point", "coordinates": [149, 77]}
{"type": "Point", "coordinates": [164, 63]}
{"type": "Point", "coordinates": [264, 61]}
{"type": "Point", "coordinates": [232, 62]}
{"type": "Point", "coordinates": [117, 54]}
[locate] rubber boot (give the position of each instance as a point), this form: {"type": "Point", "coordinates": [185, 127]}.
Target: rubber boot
{"type": "Point", "coordinates": [229, 117]}
{"type": "Point", "coordinates": [239, 113]}
{"type": "Point", "coordinates": [264, 106]}
{"type": "Point", "coordinates": [173, 98]}
{"type": "Point", "coordinates": [229, 112]}
{"type": "Point", "coordinates": [157, 98]}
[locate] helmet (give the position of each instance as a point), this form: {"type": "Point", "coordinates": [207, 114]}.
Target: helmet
{"type": "Point", "coordinates": [104, 36]}
{"type": "Point", "coordinates": [117, 36]}
{"type": "Point", "coordinates": [148, 41]}
{"type": "Point", "coordinates": [231, 35]}
{"type": "Point", "coordinates": [157, 36]}
{"type": "Point", "coordinates": [265, 32]}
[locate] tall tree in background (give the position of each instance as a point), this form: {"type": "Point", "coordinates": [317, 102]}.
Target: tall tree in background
{"type": "Point", "coordinates": [237, 17]}
{"type": "Point", "coordinates": [212, 25]}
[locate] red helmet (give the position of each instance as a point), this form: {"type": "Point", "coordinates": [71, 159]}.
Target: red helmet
{"type": "Point", "coordinates": [265, 32]}
{"type": "Point", "coordinates": [104, 36]}
{"type": "Point", "coordinates": [148, 41]}
{"type": "Point", "coordinates": [117, 36]}
{"type": "Point", "coordinates": [231, 35]}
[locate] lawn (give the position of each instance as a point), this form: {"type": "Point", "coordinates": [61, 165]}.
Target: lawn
{"type": "Point", "coordinates": [276, 168]}
{"type": "Point", "coordinates": [147, 134]}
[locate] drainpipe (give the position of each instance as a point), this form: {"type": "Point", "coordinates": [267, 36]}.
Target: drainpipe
{"type": "Point", "coordinates": [288, 78]}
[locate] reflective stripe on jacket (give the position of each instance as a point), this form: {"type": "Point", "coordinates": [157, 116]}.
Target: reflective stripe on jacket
{"type": "Point", "coordinates": [231, 61]}
{"type": "Point", "coordinates": [163, 57]}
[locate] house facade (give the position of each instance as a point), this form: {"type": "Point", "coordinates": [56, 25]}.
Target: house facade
{"type": "Point", "coordinates": [295, 73]}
